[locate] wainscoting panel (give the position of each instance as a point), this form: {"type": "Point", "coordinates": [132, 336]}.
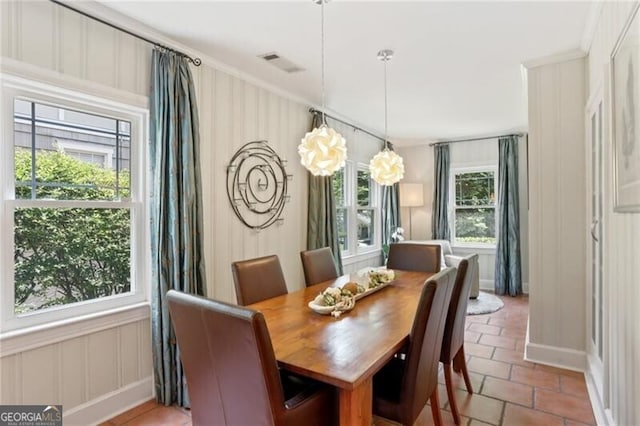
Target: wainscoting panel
{"type": "Point", "coordinates": [102, 357]}
{"type": "Point", "coordinates": [73, 370]}
{"type": "Point", "coordinates": [10, 384]}
{"type": "Point", "coordinates": [40, 378]}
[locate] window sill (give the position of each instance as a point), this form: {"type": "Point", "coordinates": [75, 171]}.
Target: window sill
{"type": "Point", "coordinates": [475, 248]}
{"type": "Point", "coordinates": [33, 337]}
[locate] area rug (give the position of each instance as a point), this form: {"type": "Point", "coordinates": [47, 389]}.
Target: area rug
{"type": "Point", "coordinates": [484, 304]}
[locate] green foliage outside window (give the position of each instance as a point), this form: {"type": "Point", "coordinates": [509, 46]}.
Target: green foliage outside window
{"type": "Point", "coordinates": [475, 207]}
{"type": "Point", "coordinates": [69, 254]}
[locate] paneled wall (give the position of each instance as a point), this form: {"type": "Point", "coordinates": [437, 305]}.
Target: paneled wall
{"type": "Point", "coordinates": [82, 371]}
{"type": "Point", "coordinates": [622, 242]}
{"type": "Point", "coordinates": [88, 373]}
{"type": "Point", "coordinates": [556, 216]}
{"type": "Point", "coordinates": [53, 38]}
{"type": "Point", "coordinates": [232, 113]}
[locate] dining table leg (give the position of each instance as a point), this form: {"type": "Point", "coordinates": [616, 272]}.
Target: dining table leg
{"type": "Point", "coordinates": [356, 404]}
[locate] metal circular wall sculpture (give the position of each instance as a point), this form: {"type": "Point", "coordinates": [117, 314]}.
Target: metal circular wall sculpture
{"type": "Point", "coordinates": [257, 185]}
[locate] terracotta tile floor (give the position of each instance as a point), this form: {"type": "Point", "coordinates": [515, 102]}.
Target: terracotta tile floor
{"type": "Point", "coordinates": [508, 390]}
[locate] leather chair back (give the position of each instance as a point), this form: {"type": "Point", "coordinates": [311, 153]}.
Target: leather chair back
{"type": "Point", "coordinates": [318, 265]}
{"type": "Point", "coordinates": [453, 338]}
{"type": "Point", "coordinates": [420, 378]}
{"type": "Point", "coordinates": [258, 279]}
{"type": "Point", "coordinates": [229, 363]}
{"type": "Point", "coordinates": [414, 257]}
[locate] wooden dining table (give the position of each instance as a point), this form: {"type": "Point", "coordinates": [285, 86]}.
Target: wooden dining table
{"type": "Point", "coordinates": [346, 351]}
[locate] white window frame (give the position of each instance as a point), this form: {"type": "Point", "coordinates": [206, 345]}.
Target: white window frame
{"type": "Point", "coordinates": [350, 198]}
{"type": "Point", "coordinates": [452, 204]}
{"type": "Point", "coordinates": [13, 86]}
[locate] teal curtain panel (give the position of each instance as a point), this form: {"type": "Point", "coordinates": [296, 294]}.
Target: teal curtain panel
{"type": "Point", "coordinates": [176, 212]}
{"type": "Point", "coordinates": [508, 276]}
{"type": "Point", "coordinates": [440, 215]}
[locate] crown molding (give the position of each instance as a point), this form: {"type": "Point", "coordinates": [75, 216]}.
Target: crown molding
{"type": "Point", "coordinates": [591, 24]}
{"type": "Point", "coordinates": [554, 59]}
{"type": "Point", "coordinates": [103, 12]}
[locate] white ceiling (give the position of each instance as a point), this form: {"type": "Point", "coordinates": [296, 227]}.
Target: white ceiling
{"type": "Point", "coordinates": [456, 70]}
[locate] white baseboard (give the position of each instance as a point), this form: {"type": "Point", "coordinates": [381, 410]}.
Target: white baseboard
{"type": "Point", "coordinates": [110, 405]}
{"type": "Point", "coordinates": [602, 415]}
{"type": "Point", "coordinates": [487, 285]}
{"type": "Point", "coordinates": [569, 359]}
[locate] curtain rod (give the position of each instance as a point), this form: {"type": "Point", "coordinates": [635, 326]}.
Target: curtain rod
{"type": "Point", "coordinates": [315, 111]}
{"type": "Point", "coordinates": [476, 139]}
{"type": "Point", "coordinates": [194, 61]}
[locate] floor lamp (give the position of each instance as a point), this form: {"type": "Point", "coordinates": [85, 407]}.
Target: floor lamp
{"type": "Point", "coordinates": [411, 195]}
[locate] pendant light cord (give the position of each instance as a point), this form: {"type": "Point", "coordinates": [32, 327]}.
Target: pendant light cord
{"type": "Point", "coordinates": [324, 119]}
{"type": "Point", "coordinates": [385, 103]}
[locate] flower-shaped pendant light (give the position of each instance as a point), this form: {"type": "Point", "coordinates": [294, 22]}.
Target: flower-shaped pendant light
{"type": "Point", "coordinates": [322, 151]}
{"type": "Point", "coordinates": [386, 167]}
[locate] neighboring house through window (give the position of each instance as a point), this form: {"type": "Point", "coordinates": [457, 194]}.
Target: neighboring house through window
{"type": "Point", "coordinates": [73, 211]}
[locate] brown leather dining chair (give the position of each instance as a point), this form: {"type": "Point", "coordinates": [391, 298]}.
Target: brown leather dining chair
{"type": "Point", "coordinates": [318, 265]}
{"type": "Point", "coordinates": [403, 386]}
{"type": "Point", "coordinates": [258, 279]}
{"type": "Point", "coordinates": [232, 373]}
{"type": "Point", "coordinates": [414, 257]}
{"type": "Point", "coordinates": [453, 339]}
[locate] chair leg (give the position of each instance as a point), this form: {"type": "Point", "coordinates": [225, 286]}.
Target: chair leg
{"type": "Point", "coordinates": [450, 393]}
{"type": "Point", "coordinates": [461, 361]}
{"type": "Point", "coordinates": [435, 408]}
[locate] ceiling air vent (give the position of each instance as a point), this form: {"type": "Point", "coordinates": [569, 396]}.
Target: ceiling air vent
{"type": "Point", "coordinates": [282, 63]}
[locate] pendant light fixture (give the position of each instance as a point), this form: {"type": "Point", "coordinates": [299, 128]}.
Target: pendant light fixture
{"type": "Point", "coordinates": [322, 151]}
{"type": "Point", "coordinates": [386, 167]}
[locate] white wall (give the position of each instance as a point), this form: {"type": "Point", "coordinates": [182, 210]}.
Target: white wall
{"type": "Point", "coordinates": [622, 248]}
{"type": "Point", "coordinates": [556, 216]}
{"type": "Point", "coordinates": [418, 168]}
{"type": "Point", "coordinates": [96, 374]}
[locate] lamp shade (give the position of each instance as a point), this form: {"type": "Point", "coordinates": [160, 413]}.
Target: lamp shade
{"type": "Point", "coordinates": [323, 151]}
{"type": "Point", "coordinates": [386, 167]}
{"type": "Point", "coordinates": [411, 195]}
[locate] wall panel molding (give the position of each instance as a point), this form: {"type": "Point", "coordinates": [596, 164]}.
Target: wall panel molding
{"type": "Point", "coordinates": [101, 409]}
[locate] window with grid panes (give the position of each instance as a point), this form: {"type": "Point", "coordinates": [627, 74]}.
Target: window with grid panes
{"type": "Point", "coordinates": [73, 207]}
{"type": "Point", "coordinates": [474, 208]}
